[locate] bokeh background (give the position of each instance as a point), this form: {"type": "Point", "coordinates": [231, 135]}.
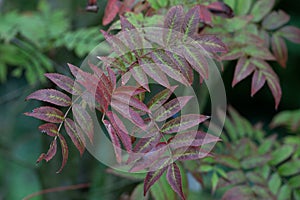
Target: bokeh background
{"type": "Point", "coordinates": [60, 32]}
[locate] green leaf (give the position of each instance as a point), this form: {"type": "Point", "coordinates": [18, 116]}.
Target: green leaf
{"type": "Point", "coordinates": [281, 154]}
{"type": "Point", "coordinates": [284, 193]}
{"type": "Point", "coordinates": [294, 182]}
{"type": "Point", "coordinates": [289, 168]}
{"type": "Point", "coordinates": [161, 190]}
{"type": "Point", "coordinates": [243, 7]}
{"type": "Point", "coordinates": [261, 8]}
{"type": "Point", "coordinates": [274, 183]}
{"type": "Point", "coordinates": [236, 23]}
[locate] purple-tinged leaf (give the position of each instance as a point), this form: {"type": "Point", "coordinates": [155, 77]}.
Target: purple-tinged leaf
{"type": "Point", "coordinates": [171, 108]}
{"type": "Point", "coordinates": [120, 129]}
{"type": "Point", "coordinates": [72, 132]}
{"type": "Point", "coordinates": [259, 52]}
{"type": "Point", "coordinates": [183, 123]}
{"type": "Point", "coordinates": [112, 76]}
{"type": "Point", "coordinates": [172, 24]}
{"type": "Point", "coordinates": [258, 82]}
{"type": "Point", "coordinates": [221, 9]}
{"type": "Point", "coordinates": [205, 15]}
{"type": "Point", "coordinates": [50, 154]}
{"type": "Point", "coordinates": [125, 78]}
{"type": "Point", "coordinates": [153, 70]}
{"type": "Point", "coordinates": [140, 77]}
{"type": "Point", "coordinates": [291, 33]}
{"type": "Point", "coordinates": [197, 60]}
{"type": "Point", "coordinates": [275, 20]}
{"type": "Point", "coordinates": [160, 98]}
{"type": "Point", "coordinates": [279, 49]}
{"type": "Point", "coordinates": [243, 69]}
{"type": "Point", "coordinates": [105, 80]}
{"type": "Point", "coordinates": [49, 129]}
{"type": "Point", "coordinates": [264, 35]}
{"type": "Point", "coordinates": [152, 177]}
{"type": "Point", "coordinates": [239, 192]}
{"type": "Point", "coordinates": [192, 139]}
{"type": "Point", "coordinates": [130, 90]}
{"type": "Point", "coordinates": [115, 140]}
{"type": "Point", "coordinates": [183, 66]}
{"type": "Point", "coordinates": [233, 54]}
{"type": "Point", "coordinates": [64, 83]}
{"type": "Point", "coordinates": [271, 78]}
{"type": "Point", "coordinates": [64, 152]}
{"type": "Point", "coordinates": [111, 11]}
{"type": "Point", "coordinates": [165, 63]}
{"type": "Point", "coordinates": [113, 62]}
{"type": "Point", "coordinates": [191, 153]}
{"type": "Point", "coordinates": [130, 100]}
{"type": "Point", "coordinates": [211, 43]}
{"type": "Point", "coordinates": [191, 22]}
{"type": "Point", "coordinates": [84, 120]}
{"type": "Point", "coordinates": [51, 96]}
{"type": "Point", "coordinates": [127, 112]}
{"type": "Point", "coordinates": [261, 9]}
{"type": "Point", "coordinates": [47, 113]}
{"type": "Point", "coordinates": [174, 179]}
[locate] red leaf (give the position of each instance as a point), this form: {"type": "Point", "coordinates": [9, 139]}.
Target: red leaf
{"type": "Point", "coordinates": [50, 154]}
{"type": "Point", "coordinates": [152, 177]}
{"type": "Point", "coordinates": [140, 77]}
{"type": "Point", "coordinates": [160, 98]}
{"type": "Point", "coordinates": [221, 9]}
{"type": "Point", "coordinates": [171, 108]}
{"type": "Point", "coordinates": [173, 23]}
{"type": "Point", "coordinates": [243, 69]}
{"type": "Point", "coordinates": [174, 179]}
{"type": "Point", "coordinates": [64, 83]}
{"type": "Point", "coordinates": [75, 137]}
{"type": "Point", "coordinates": [211, 43]}
{"type": "Point", "coordinates": [92, 6]}
{"type": "Point", "coordinates": [48, 114]}
{"type": "Point", "coordinates": [112, 76]}
{"type": "Point", "coordinates": [64, 151]}
{"type": "Point", "coordinates": [120, 129]}
{"type": "Point", "coordinates": [153, 70]}
{"type": "Point", "coordinates": [191, 22]}
{"type": "Point", "coordinates": [52, 96]}
{"type": "Point", "coordinates": [111, 10]}
{"type": "Point", "coordinates": [49, 129]}
{"type": "Point", "coordinates": [84, 120]}
{"type": "Point", "coordinates": [279, 49]}
{"type": "Point", "coordinates": [130, 90]}
{"type": "Point", "coordinates": [258, 82]}
{"type": "Point", "coordinates": [115, 140]}
{"type": "Point", "coordinates": [205, 15]}
{"type": "Point", "coordinates": [130, 100]}
{"type": "Point", "coordinates": [191, 153]}
{"type": "Point", "coordinates": [291, 33]}
{"type": "Point", "coordinates": [275, 20]}
{"type": "Point", "coordinates": [182, 123]}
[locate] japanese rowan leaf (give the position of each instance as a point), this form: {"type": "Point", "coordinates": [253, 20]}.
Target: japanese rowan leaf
{"type": "Point", "coordinates": [221, 9]}
{"type": "Point", "coordinates": [261, 8]}
{"type": "Point", "coordinates": [183, 123]}
{"type": "Point", "coordinates": [51, 96]}
{"type": "Point", "coordinates": [243, 7]}
{"type": "Point", "coordinates": [160, 98]}
{"type": "Point", "coordinates": [279, 49]}
{"type": "Point", "coordinates": [191, 153]}
{"type": "Point", "coordinates": [258, 82]}
{"type": "Point", "coordinates": [140, 76]}
{"type": "Point", "coordinates": [84, 120]}
{"type": "Point", "coordinates": [205, 15]}
{"type": "Point", "coordinates": [173, 23]}
{"type": "Point", "coordinates": [238, 192]}
{"type": "Point", "coordinates": [48, 114]}
{"type": "Point", "coordinates": [49, 129]}
{"type": "Point", "coordinates": [152, 177]}
{"type": "Point", "coordinates": [229, 161]}
{"type": "Point", "coordinates": [191, 22]}
{"type": "Point", "coordinates": [281, 154]}
{"type": "Point", "coordinates": [63, 82]}
{"type": "Point", "coordinates": [275, 20]}
{"type": "Point", "coordinates": [243, 69]}
{"type": "Point", "coordinates": [183, 66]}
{"type": "Point", "coordinates": [115, 140]}
{"type": "Point", "coordinates": [112, 77]}
{"type": "Point", "coordinates": [233, 54]}
{"type": "Point", "coordinates": [64, 152]}
{"type": "Point", "coordinates": [259, 52]}
{"type": "Point", "coordinates": [171, 108]}
{"type": "Point", "coordinates": [291, 33]}
{"type": "Point", "coordinates": [161, 58]}
{"type": "Point", "coordinates": [174, 179]}
{"type": "Point", "coordinates": [153, 70]}
{"type": "Point", "coordinates": [131, 100]}
{"type": "Point", "coordinates": [106, 82]}
{"type": "Point", "coordinates": [289, 168]}
{"type": "Point", "coordinates": [237, 23]}
{"type": "Point", "coordinates": [73, 134]}
{"type": "Point", "coordinates": [50, 153]}
{"type": "Point", "coordinates": [127, 112]}
{"type": "Point", "coordinates": [197, 60]}
{"type": "Point", "coordinates": [130, 90]}
{"type": "Point", "coordinates": [284, 192]}
{"type": "Point", "coordinates": [192, 139]}
{"type": "Point", "coordinates": [120, 129]}
{"type": "Point", "coordinates": [111, 10]}
{"type": "Point", "coordinates": [255, 161]}
{"type": "Point", "coordinates": [211, 43]}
